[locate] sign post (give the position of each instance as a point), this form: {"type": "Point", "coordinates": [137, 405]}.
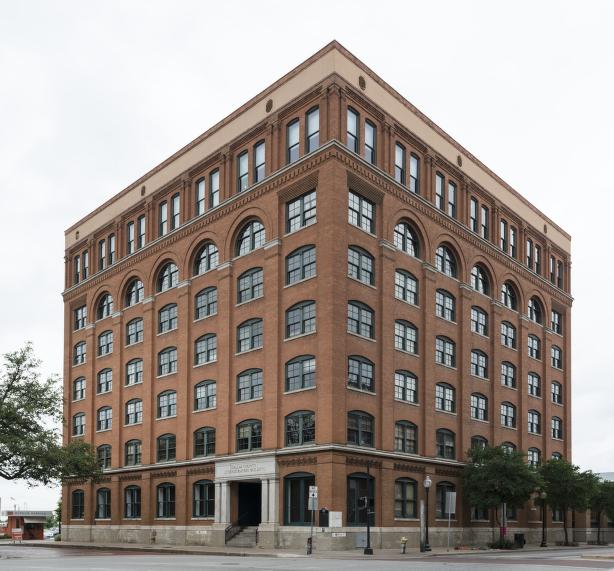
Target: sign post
{"type": "Point", "coordinates": [313, 506]}
{"type": "Point", "coordinates": [450, 506]}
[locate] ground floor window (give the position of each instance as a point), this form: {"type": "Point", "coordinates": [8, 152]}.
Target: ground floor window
{"type": "Point", "coordinates": [132, 502]}
{"type": "Point", "coordinates": [360, 493]}
{"type": "Point", "coordinates": [405, 495]}
{"type": "Point", "coordinates": [165, 504]}
{"type": "Point", "coordinates": [203, 502]}
{"type": "Point", "coordinates": [78, 504]}
{"type": "Point", "coordinates": [441, 507]}
{"type": "Point", "coordinates": [296, 510]}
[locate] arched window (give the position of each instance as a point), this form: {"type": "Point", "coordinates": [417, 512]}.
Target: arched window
{"type": "Point", "coordinates": [445, 351]}
{"type": "Point", "coordinates": [535, 423]}
{"type": "Point", "coordinates": [479, 364]}
{"type": "Point", "coordinates": [134, 372]}
{"type": "Point", "coordinates": [205, 349]}
{"type": "Point", "coordinates": [557, 392]}
{"type": "Point", "coordinates": [405, 498]}
{"type": "Point", "coordinates": [509, 297]}
{"type": "Point", "coordinates": [300, 264]}
{"type": "Point", "coordinates": [557, 428]}
{"type": "Point", "coordinates": [508, 415]}
{"type": "Point", "coordinates": [360, 428]}
{"type": "Point", "coordinates": [135, 292]}
{"type": "Point", "coordinates": [103, 503]}
{"type": "Point", "coordinates": [479, 280]}
{"type": "Point", "coordinates": [406, 240]}
{"type": "Point", "coordinates": [300, 428]}
{"type": "Point", "coordinates": [406, 437]}
{"type": "Point", "coordinates": [77, 504]}
{"type": "Point", "coordinates": [556, 357]}
{"type": "Point", "coordinates": [132, 502]}
{"type": "Point", "coordinates": [405, 336]}
{"type": "Point", "coordinates": [166, 446]}
{"type": "Point", "coordinates": [103, 456]}
{"type": "Point", "coordinates": [205, 395]}
{"type": "Point", "coordinates": [105, 343]}
{"type": "Point", "coordinates": [446, 444]}
{"type": "Point", "coordinates": [479, 442]}
{"type": "Point", "coordinates": [534, 384]}
{"type": "Point", "coordinates": [167, 404]}
{"type": "Point", "coordinates": [296, 498]}
{"type": "Point", "coordinates": [405, 386]}
{"type": "Point", "coordinates": [78, 388]}
{"type": "Point", "coordinates": [134, 411]}
{"type": "Point", "coordinates": [445, 397]}
{"type": "Point", "coordinates": [479, 321]}
{"type": "Point", "coordinates": [535, 311]}
{"type": "Point", "coordinates": [441, 491]}
{"type": "Point", "coordinates": [250, 285]}
{"type": "Point", "coordinates": [167, 318]}
{"type": "Point", "coordinates": [134, 331]}
{"type": "Point", "coordinates": [132, 453]}
{"type": "Point", "coordinates": [167, 361]}
{"type": "Point", "coordinates": [203, 499]}
{"type": "Point", "coordinates": [406, 287]}
{"type": "Point", "coordinates": [508, 447]}
{"type": "Point", "coordinates": [361, 265]}
{"type": "Point", "coordinates": [165, 500]}
{"type": "Point", "coordinates": [249, 335]}
{"type": "Point", "coordinates": [557, 456]}
{"type": "Point", "coordinates": [168, 277]}
{"type": "Point", "coordinates": [249, 385]}
{"type": "Point", "coordinates": [301, 319]}
{"type": "Point", "coordinates": [508, 375]}
{"type": "Point", "coordinates": [205, 303]}
{"type": "Point", "coordinates": [361, 319]}
{"type": "Point", "coordinates": [204, 442]}
{"type": "Point", "coordinates": [79, 353]}
{"type": "Point", "coordinates": [534, 457]}
{"type": "Point", "coordinates": [105, 306]}
{"type": "Point", "coordinates": [78, 424]}
{"type": "Point", "coordinates": [252, 236]}
{"type": "Point", "coordinates": [445, 261]}
{"type": "Point", "coordinates": [534, 347]}
{"type": "Point", "coordinates": [360, 486]}
{"type": "Point", "coordinates": [301, 373]}
{"type": "Point", "coordinates": [445, 305]}
{"type": "Point", "coordinates": [508, 335]}
{"type": "Point", "coordinates": [104, 418]}
{"type": "Point", "coordinates": [249, 435]}
{"type": "Point", "coordinates": [479, 407]}
{"type": "Point", "coordinates": [207, 258]}
{"type": "Point", "coordinates": [361, 373]}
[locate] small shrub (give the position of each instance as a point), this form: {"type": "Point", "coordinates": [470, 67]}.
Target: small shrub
{"type": "Point", "coordinates": [57, 537]}
{"type": "Point", "coordinates": [502, 544]}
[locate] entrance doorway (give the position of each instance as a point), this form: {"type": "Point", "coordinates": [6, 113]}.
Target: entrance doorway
{"type": "Point", "coordinates": [250, 503]}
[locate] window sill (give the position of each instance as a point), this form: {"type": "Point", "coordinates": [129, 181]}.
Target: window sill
{"type": "Point", "coordinates": [534, 433]}
{"type": "Point", "coordinates": [78, 400]}
{"type": "Point", "coordinates": [132, 424]}
{"type": "Point", "coordinates": [133, 384]}
{"type": "Point", "coordinates": [558, 439]}
{"type": "Point", "coordinates": [406, 519]}
{"type": "Point", "coordinates": [446, 412]}
{"type": "Point", "coordinates": [479, 377]}
{"type": "Point", "coordinates": [446, 366]}
{"type": "Point", "coordinates": [300, 281]}
{"type": "Point", "coordinates": [480, 420]}
{"type": "Point", "coordinates": [77, 519]}
{"type": "Point", "coordinates": [361, 282]}
{"type": "Point", "coordinates": [406, 352]}
{"type": "Point", "coordinates": [508, 347]}
{"type": "Point", "coordinates": [301, 390]}
{"type": "Point", "coordinates": [204, 518]}
{"type": "Point", "coordinates": [370, 339]}
{"type": "Point", "coordinates": [558, 404]}
{"type": "Point", "coordinates": [204, 409]}
{"type": "Point", "coordinates": [535, 358]}
{"type": "Point", "coordinates": [510, 388]}
{"type": "Point", "coordinates": [407, 302]}
{"type": "Point", "coordinates": [203, 364]}
{"type": "Point", "coordinates": [104, 430]}
{"type": "Point", "coordinates": [165, 417]}
{"type": "Point", "coordinates": [166, 375]}
{"type": "Point", "coordinates": [249, 400]}
{"type": "Point", "coordinates": [173, 461]}
{"type": "Point", "coordinates": [102, 355]}
{"type": "Point", "coordinates": [407, 402]}
{"type": "Point", "coordinates": [127, 345]}
{"type": "Point", "coordinates": [165, 519]}
{"type": "Point", "coordinates": [242, 303]}
{"type": "Point", "coordinates": [197, 319]}
{"type": "Point", "coordinates": [292, 232]}
{"type": "Point", "coordinates": [104, 392]}
{"type": "Point", "coordinates": [102, 519]}
{"type": "Point", "coordinates": [300, 335]}
{"type": "Point", "coordinates": [509, 428]}
{"type": "Point", "coordinates": [535, 397]}
{"type": "Point", "coordinates": [249, 351]}
{"type": "Point", "coordinates": [131, 519]}
{"type": "Point", "coordinates": [160, 333]}
{"type": "Point", "coordinates": [363, 230]}
{"type": "Point", "coordinates": [78, 435]}
{"type": "Point", "coordinates": [451, 321]}
{"type": "Point", "coordinates": [363, 391]}
{"type": "Point", "coordinates": [79, 364]}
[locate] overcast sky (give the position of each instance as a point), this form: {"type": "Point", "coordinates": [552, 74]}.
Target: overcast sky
{"type": "Point", "coordinates": [94, 94]}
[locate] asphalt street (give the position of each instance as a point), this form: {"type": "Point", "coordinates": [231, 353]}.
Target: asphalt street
{"type": "Point", "coordinates": [65, 559]}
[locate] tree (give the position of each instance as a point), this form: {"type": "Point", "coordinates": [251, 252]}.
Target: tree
{"type": "Point", "coordinates": [494, 476]}
{"type": "Point", "coordinates": [602, 501]}
{"type": "Point", "coordinates": [30, 411]}
{"type": "Point", "coordinates": [566, 487]}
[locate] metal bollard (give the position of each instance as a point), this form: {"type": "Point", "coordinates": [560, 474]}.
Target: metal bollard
{"type": "Point", "coordinates": [403, 544]}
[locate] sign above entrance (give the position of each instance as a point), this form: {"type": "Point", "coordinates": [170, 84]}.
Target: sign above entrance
{"type": "Point", "coordinates": [249, 469]}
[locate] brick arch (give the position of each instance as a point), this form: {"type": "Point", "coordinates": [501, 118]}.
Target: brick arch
{"type": "Point", "coordinates": [480, 260]}
{"type": "Point", "coordinates": [126, 281]}
{"type": "Point", "coordinates": [100, 291]}
{"type": "Point", "coordinates": [449, 240]}
{"type": "Point", "coordinates": [240, 219]}
{"type": "Point", "coordinates": [406, 215]}
{"type": "Point", "coordinates": [197, 242]}
{"type": "Point", "coordinates": [157, 265]}
{"type": "Point", "coordinates": [509, 277]}
{"type": "Point", "coordinates": [533, 292]}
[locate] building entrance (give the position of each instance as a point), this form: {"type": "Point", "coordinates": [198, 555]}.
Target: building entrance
{"type": "Point", "coordinates": [250, 503]}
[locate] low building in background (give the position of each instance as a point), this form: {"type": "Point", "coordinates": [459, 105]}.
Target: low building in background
{"type": "Point", "coordinates": [31, 523]}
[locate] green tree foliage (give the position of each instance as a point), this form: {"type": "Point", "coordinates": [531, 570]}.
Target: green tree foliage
{"type": "Point", "coordinates": [567, 488]}
{"type": "Point", "coordinates": [602, 502]}
{"type": "Point", "coordinates": [494, 476]}
{"type": "Point", "coordinates": [30, 411]}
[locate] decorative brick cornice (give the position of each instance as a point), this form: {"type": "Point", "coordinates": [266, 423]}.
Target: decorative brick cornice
{"type": "Point", "coordinates": [401, 467]}
{"type": "Point", "coordinates": [164, 474]}
{"type": "Point", "coordinates": [358, 461]}
{"type": "Point", "coordinates": [298, 461]}
{"type": "Point", "coordinates": [447, 472]}
{"type": "Point", "coordinates": [130, 477]}
{"type": "Point", "coordinates": [208, 469]}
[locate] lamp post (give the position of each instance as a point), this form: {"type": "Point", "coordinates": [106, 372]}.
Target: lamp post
{"type": "Point", "coordinates": [368, 549]}
{"type": "Point", "coordinates": [542, 495]}
{"type": "Point", "coordinates": [427, 486]}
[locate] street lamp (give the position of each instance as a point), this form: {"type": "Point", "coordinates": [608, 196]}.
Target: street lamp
{"type": "Point", "coordinates": [542, 495]}
{"type": "Point", "coordinates": [427, 486]}
{"type": "Point", "coordinates": [368, 549]}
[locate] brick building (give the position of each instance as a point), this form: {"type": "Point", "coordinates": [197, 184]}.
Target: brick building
{"type": "Point", "coordinates": [324, 288]}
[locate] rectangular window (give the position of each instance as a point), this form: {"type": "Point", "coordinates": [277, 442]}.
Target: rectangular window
{"type": "Point", "coordinates": [312, 121]}
{"type": "Point", "coordinates": [473, 216]}
{"type": "Point", "coordinates": [175, 211]}
{"type": "Point", "coordinates": [200, 197]}
{"type": "Point", "coordinates": [552, 270]}
{"type": "Point", "coordinates": [85, 258]}
{"type": "Point", "coordinates": [214, 188]}
{"type": "Point", "coordinates": [559, 274]}
{"type": "Point", "coordinates": [130, 238]}
{"type": "Point", "coordinates": [112, 250]}
{"type": "Point", "coordinates": [141, 232]}
{"type": "Point", "coordinates": [556, 322]}
{"type": "Point", "coordinates": [414, 173]}
{"type": "Point", "coordinates": [77, 269]}
{"type": "Point", "coordinates": [361, 212]}
{"type": "Point", "coordinates": [451, 199]}
{"type": "Point", "coordinates": [538, 259]}
{"type": "Point", "coordinates": [301, 211]}
{"type": "Point", "coordinates": [259, 160]}
{"type": "Point", "coordinates": [162, 219]}
{"type": "Point", "coordinates": [370, 140]}
{"type": "Point", "coordinates": [513, 241]}
{"type": "Point", "coordinates": [529, 253]}
{"type": "Point", "coordinates": [439, 191]}
{"type": "Point", "coordinates": [242, 172]}
{"type": "Point", "coordinates": [80, 317]}
{"type": "Point", "coordinates": [292, 141]}
{"type": "Point", "coordinates": [399, 163]}
{"type": "Point", "coordinates": [503, 236]}
{"type": "Point", "coordinates": [352, 130]}
{"type": "Point", "coordinates": [485, 224]}
{"type": "Point", "coordinates": [102, 254]}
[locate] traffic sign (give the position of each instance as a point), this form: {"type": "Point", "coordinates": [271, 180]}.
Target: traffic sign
{"type": "Point", "coordinates": [313, 492]}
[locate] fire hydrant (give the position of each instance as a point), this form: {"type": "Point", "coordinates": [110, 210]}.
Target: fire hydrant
{"type": "Point", "coordinates": [403, 544]}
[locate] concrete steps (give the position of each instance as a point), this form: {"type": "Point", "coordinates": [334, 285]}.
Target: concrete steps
{"type": "Point", "coordinates": [247, 537]}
